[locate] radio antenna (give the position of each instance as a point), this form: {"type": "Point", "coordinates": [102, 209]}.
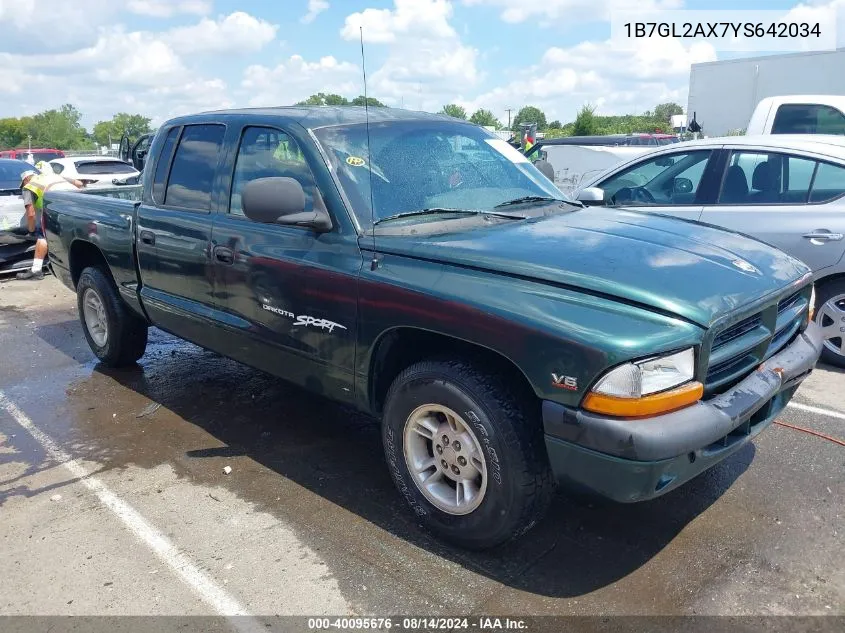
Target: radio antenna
{"type": "Point", "coordinates": [374, 262]}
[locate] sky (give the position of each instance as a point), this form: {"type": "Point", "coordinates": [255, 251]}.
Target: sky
{"type": "Point", "coordinates": [164, 58]}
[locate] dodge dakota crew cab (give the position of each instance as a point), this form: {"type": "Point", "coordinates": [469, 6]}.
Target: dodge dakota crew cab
{"type": "Point", "coordinates": [422, 270]}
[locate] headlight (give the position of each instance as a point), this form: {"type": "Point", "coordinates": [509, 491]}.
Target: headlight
{"type": "Point", "coordinates": [647, 387]}
{"type": "Point", "coordinates": [643, 378]}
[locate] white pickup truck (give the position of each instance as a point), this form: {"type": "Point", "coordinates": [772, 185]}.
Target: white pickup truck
{"type": "Point", "coordinates": [799, 114]}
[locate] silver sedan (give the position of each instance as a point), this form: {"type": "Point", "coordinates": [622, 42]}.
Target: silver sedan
{"type": "Point", "coordinates": [788, 191]}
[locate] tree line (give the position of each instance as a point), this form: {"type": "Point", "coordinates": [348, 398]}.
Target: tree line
{"type": "Point", "coordinates": [587, 123]}
{"type": "Point", "coordinates": [61, 128]}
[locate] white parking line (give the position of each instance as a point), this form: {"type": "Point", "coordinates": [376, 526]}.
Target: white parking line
{"type": "Point", "coordinates": [817, 410]}
{"type": "Point", "coordinates": [204, 587]}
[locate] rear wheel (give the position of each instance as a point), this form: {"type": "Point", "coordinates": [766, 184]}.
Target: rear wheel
{"type": "Point", "coordinates": [830, 316]}
{"type": "Point", "coordinates": [466, 453]}
{"type": "Point", "coordinates": [115, 335]}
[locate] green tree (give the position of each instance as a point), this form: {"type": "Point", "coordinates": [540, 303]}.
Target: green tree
{"type": "Point", "coordinates": [586, 123]}
{"type": "Point", "coordinates": [454, 110]}
{"type": "Point", "coordinates": [485, 118]}
{"type": "Point", "coordinates": [530, 114]}
{"type": "Point", "coordinates": [13, 131]}
{"type": "Point", "coordinates": [323, 99]}
{"type": "Point", "coordinates": [134, 125]}
{"type": "Point", "coordinates": [60, 129]}
{"type": "Point", "coordinates": [665, 111]}
{"type": "Point", "coordinates": [371, 101]}
{"type": "Point", "coordinates": [555, 125]}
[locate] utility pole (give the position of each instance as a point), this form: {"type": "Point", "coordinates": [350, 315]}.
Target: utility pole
{"type": "Point", "coordinates": [509, 110]}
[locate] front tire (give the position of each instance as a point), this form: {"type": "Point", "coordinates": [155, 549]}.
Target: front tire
{"type": "Point", "coordinates": [830, 317]}
{"type": "Point", "coordinates": [116, 336]}
{"type": "Point", "coordinates": [466, 453]}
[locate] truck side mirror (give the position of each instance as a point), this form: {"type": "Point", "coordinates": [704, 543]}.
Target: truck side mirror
{"type": "Point", "coordinates": [591, 196]}
{"type": "Point", "coordinates": [280, 200]}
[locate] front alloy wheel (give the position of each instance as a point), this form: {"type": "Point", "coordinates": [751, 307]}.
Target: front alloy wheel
{"type": "Point", "coordinates": [445, 459]}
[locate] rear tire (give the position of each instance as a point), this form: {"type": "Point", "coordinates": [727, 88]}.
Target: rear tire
{"type": "Point", "coordinates": [830, 316]}
{"type": "Point", "coordinates": [505, 485]}
{"type": "Point", "coordinates": [116, 336]}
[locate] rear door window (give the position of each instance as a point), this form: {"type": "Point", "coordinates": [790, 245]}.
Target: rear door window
{"type": "Point", "coordinates": [796, 118]}
{"type": "Point", "coordinates": [829, 183]}
{"type": "Point", "coordinates": [194, 165]}
{"type": "Point", "coordinates": [767, 178]}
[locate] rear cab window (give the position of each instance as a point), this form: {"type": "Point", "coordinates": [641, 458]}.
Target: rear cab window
{"type": "Point", "coordinates": [794, 118]}
{"type": "Point", "coordinates": [94, 167]}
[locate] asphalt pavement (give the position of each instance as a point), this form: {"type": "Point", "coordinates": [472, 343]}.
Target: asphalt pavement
{"type": "Point", "coordinates": [114, 501]}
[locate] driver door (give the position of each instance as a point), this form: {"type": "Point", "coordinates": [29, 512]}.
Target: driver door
{"type": "Point", "coordinates": [670, 184]}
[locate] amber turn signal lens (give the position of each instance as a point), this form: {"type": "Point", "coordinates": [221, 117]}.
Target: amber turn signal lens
{"type": "Point", "coordinates": [656, 404]}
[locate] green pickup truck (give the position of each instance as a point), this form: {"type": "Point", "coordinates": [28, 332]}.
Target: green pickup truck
{"type": "Point", "coordinates": [422, 270]}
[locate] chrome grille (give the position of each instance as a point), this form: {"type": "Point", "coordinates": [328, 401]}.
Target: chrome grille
{"type": "Point", "coordinates": [740, 347]}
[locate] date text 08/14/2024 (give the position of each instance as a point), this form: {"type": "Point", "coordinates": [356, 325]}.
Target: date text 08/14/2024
{"type": "Point", "coordinates": [481, 623]}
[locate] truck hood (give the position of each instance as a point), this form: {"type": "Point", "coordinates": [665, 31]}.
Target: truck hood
{"type": "Point", "coordinates": [695, 271]}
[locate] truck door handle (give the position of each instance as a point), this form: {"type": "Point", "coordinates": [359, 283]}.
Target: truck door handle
{"type": "Point", "coordinates": [148, 237]}
{"type": "Point", "coordinates": [824, 235]}
{"type": "Point", "coordinates": [224, 255]}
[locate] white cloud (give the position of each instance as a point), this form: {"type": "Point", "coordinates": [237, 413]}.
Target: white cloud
{"type": "Point", "coordinates": [295, 79]}
{"type": "Point", "coordinates": [315, 8]}
{"type": "Point", "coordinates": [427, 64]}
{"type": "Point", "coordinates": [568, 11]}
{"type": "Point", "coordinates": [421, 18]}
{"type": "Point", "coordinates": [238, 32]}
{"type": "Point", "coordinates": [615, 81]}
{"type": "Point", "coordinates": [31, 26]}
{"type": "Point", "coordinates": [122, 71]}
{"type": "Point", "coordinates": [167, 8]}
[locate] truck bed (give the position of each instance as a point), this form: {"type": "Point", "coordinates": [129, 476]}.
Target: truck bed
{"type": "Point", "coordinates": [102, 217]}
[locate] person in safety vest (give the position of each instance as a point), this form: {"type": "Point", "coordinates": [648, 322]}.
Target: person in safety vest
{"type": "Point", "coordinates": [529, 143]}
{"type": "Point", "coordinates": [33, 188]}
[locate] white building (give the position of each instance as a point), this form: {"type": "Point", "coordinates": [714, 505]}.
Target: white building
{"type": "Point", "coordinates": [724, 94]}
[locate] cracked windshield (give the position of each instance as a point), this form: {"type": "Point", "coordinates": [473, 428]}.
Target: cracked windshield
{"type": "Point", "coordinates": [418, 166]}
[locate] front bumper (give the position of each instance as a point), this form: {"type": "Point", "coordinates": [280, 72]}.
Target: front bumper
{"type": "Point", "coordinates": [635, 460]}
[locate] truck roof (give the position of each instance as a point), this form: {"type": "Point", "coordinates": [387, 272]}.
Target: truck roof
{"type": "Point", "coordinates": [321, 116]}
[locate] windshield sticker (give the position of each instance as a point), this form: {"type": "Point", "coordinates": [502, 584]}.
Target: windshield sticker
{"type": "Point", "coordinates": [507, 150]}
{"type": "Point", "coordinates": [355, 161]}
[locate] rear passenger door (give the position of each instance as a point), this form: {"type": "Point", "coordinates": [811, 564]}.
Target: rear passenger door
{"type": "Point", "coordinates": [174, 233]}
{"type": "Point", "coordinates": [289, 293]}
{"type": "Point", "coordinates": [791, 201]}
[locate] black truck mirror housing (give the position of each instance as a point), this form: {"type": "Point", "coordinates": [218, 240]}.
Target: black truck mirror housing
{"type": "Point", "coordinates": [280, 200]}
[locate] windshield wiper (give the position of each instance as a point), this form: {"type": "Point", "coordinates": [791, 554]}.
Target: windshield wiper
{"type": "Point", "coordinates": [433, 210]}
{"type": "Point", "coordinates": [526, 199]}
